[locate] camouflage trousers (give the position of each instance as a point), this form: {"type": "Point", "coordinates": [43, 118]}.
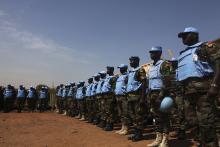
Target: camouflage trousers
{"type": "Point", "coordinates": [109, 108]}
{"type": "Point", "coordinates": [122, 107]}
{"type": "Point", "coordinates": [136, 111]}
{"type": "Point", "coordinates": [42, 104]}
{"type": "Point", "coordinates": [178, 112]}
{"type": "Point", "coordinates": [62, 104]}
{"type": "Point", "coordinates": [32, 102]}
{"type": "Point", "coordinates": [70, 106]}
{"type": "Point", "coordinates": [162, 119]}
{"type": "Point", "coordinates": [81, 106]}
{"type": "Point", "coordinates": [99, 103]}
{"type": "Point", "coordinates": [20, 104]}
{"type": "Point", "coordinates": [8, 104]}
{"type": "Point", "coordinates": [204, 107]}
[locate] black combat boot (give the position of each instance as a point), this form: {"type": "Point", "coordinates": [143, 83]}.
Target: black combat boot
{"type": "Point", "coordinates": [109, 127]}
{"type": "Point", "coordinates": [96, 121]}
{"type": "Point", "coordinates": [181, 134]}
{"type": "Point", "coordinates": [137, 136]}
{"type": "Point", "coordinates": [102, 124]}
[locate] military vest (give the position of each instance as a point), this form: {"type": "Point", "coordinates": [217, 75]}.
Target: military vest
{"type": "Point", "coordinates": [99, 86]}
{"type": "Point", "coordinates": [21, 93]}
{"type": "Point", "coordinates": [89, 89]}
{"type": "Point", "coordinates": [107, 87]}
{"type": "Point", "coordinates": [65, 92]}
{"type": "Point", "coordinates": [8, 93]}
{"type": "Point", "coordinates": [70, 92]}
{"type": "Point", "coordinates": [190, 66]}
{"type": "Point", "coordinates": [31, 94]}
{"type": "Point", "coordinates": [43, 94]}
{"type": "Point", "coordinates": [60, 91]}
{"type": "Point", "coordinates": [93, 91]}
{"type": "Point", "coordinates": [79, 93]}
{"type": "Point", "coordinates": [133, 85]}
{"type": "Point", "coordinates": [120, 88]}
{"type": "Point", "coordinates": [155, 77]}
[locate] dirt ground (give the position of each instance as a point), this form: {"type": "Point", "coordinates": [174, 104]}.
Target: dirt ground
{"type": "Point", "coordinates": [52, 130]}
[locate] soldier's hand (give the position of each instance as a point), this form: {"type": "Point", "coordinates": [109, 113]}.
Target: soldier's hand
{"type": "Point", "coordinates": [213, 91]}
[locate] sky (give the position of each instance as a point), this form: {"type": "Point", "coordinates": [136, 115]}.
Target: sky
{"type": "Point", "coordinates": [61, 41]}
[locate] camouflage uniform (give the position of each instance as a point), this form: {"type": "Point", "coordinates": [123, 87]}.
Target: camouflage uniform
{"type": "Point", "coordinates": [136, 111]}
{"type": "Point", "coordinates": [155, 98]}
{"type": "Point", "coordinates": [1, 98]}
{"type": "Point", "coordinates": [110, 104]}
{"type": "Point", "coordinates": [174, 89]}
{"type": "Point", "coordinates": [196, 94]}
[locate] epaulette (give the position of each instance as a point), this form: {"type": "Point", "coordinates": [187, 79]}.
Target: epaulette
{"type": "Point", "coordinates": [210, 44]}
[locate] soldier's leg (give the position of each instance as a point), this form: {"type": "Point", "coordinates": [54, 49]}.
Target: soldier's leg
{"type": "Point", "coordinates": [124, 116]}
{"type": "Point", "coordinates": [29, 104]}
{"type": "Point", "coordinates": [96, 111]}
{"type": "Point", "coordinates": [103, 105]}
{"type": "Point", "coordinates": [206, 117]}
{"type": "Point", "coordinates": [109, 113]}
{"type": "Point", "coordinates": [180, 117]}
{"type": "Point", "coordinates": [131, 113]}
{"type": "Point", "coordinates": [92, 109]}
{"type": "Point", "coordinates": [119, 109]}
{"type": "Point", "coordinates": [5, 105]}
{"type": "Point", "coordinates": [155, 105]}
{"type": "Point", "coordinates": [140, 112]}
{"type": "Point", "coordinates": [18, 105]}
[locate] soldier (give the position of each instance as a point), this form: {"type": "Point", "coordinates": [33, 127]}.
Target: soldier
{"type": "Point", "coordinates": [32, 99]}
{"type": "Point", "coordinates": [64, 99]}
{"type": "Point", "coordinates": [94, 101]}
{"type": "Point", "coordinates": [42, 99]}
{"type": "Point", "coordinates": [156, 95]}
{"type": "Point", "coordinates": [136, 90]}
{"type": "Point", "coordinates": [47, 102]}
{"type": "Point", "coordinates": [89, 100]}
{"type": "Point", "coordinates": [70, 97]}
{"type": "Point", "coordinates": [199, 72]}
{"type": "Point", "coordinates": [59, 96]}
{"type": "Point", "coordinates": [100, 101]}
{"type": "Point", "coordinates": [21, 95]}
{"type": "Point", "coordinates": [80, 96]}
{"type": "Point", "coordinates": [8, 98]}
{"type": "Point", "coordinates": [174, 89]}
{"type": "Point", "coordinates": [109, 99]}
{"type": "Point", "coordinates": [121, 97]}
{"type": "Point", "coordinates": [1, 98]}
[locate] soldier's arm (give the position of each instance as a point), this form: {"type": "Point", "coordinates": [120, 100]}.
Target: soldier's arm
{"type": "Point", "coordinates": [84, 90]}
{"type": "Point", "coordinates": [210, 52]}
{"type": "Point", "coordinates": [166, 72]}
{"type": "Point", "coordinates": [113, 82]}
{"type": "Point", "coordinates": [141, 76]}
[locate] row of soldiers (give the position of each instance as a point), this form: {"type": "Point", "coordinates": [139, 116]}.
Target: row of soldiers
{"type": "Point", "coordinates": [192, 79]}
{"type": "Point", "coordinates": [11, 98]}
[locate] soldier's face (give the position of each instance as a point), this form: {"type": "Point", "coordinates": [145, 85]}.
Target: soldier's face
{"type": "Point", "coordinates": [155, 55]}
{"type": "Point", "coordinates": [103, 76]}
{"type": "Point", "coordinates": [134, 63]}
{"type": "Point", "coordinates": [109, 71]}
{"type": "Point", "coordinates": [189, 39]}
{"type": "Point", "coordinates": [90, 80]}
{"type": "Point", "coordinates": [123, 70]}
{"type": "Point", "coordinates": [97, 78]}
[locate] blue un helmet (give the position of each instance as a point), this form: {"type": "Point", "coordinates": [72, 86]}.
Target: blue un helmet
{"type": "Point", "coordinates": [166, 104]}
{"type": "Point", "coordinates": [156, 49]}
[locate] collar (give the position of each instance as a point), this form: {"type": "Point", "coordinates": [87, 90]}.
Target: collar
{"type": "Point", "coordinates": [158, 62]}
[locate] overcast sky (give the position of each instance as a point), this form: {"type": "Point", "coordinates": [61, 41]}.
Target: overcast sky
{"type": "Point", "coordinates": [58, 41]}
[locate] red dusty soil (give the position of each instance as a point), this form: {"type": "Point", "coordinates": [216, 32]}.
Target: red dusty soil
{"type": "Point", "coordinates": [53, 130]}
